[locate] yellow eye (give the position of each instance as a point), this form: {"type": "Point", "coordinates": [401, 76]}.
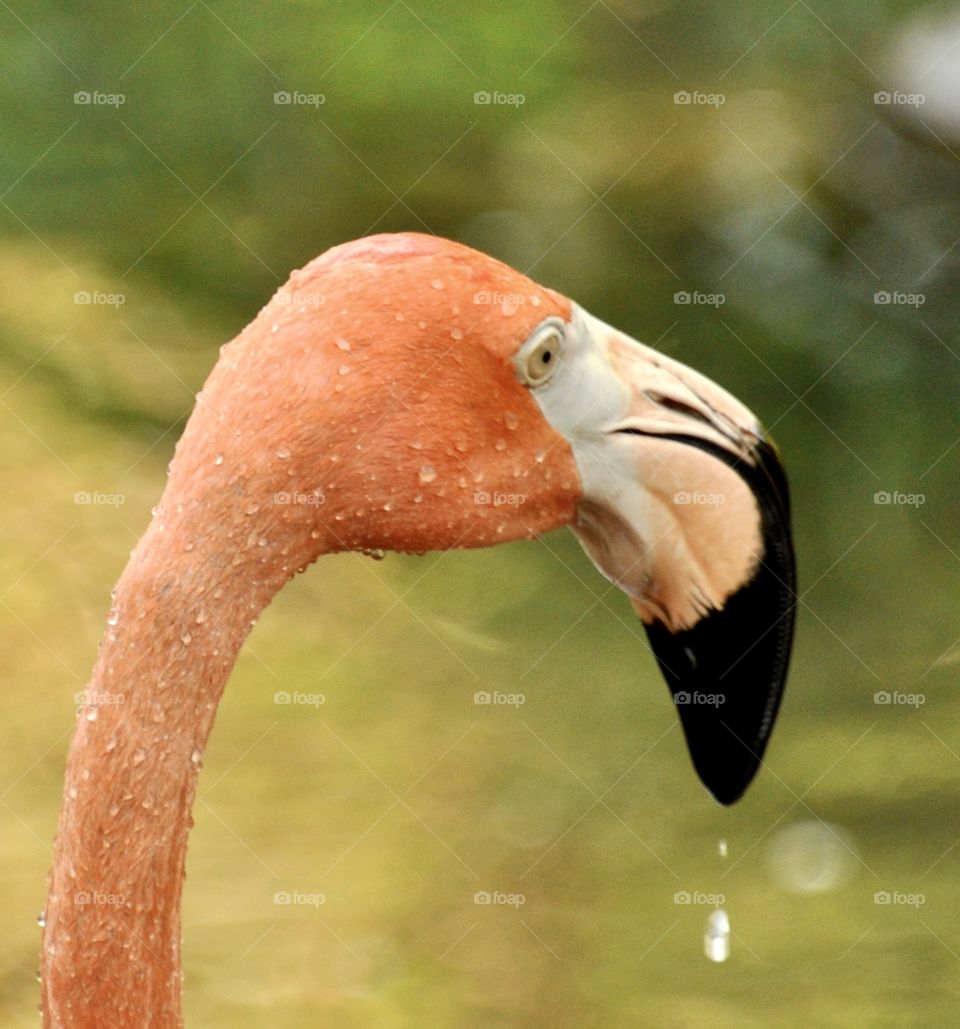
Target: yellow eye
{"type": "Point", "coordinates": [540, 355]}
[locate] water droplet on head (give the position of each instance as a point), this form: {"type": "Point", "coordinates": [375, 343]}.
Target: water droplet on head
{"type": "Point", "coordinates": [139, 755]}
{"type": "Point", "coordinates": [195, 756]}
{"type": "Point", "coordinates": [185, 637]}
{"type": "Point", "coordinates": [500, 445]}
{"type": "Point", "coordinates": [456, 334]}
{"type": "Point", "coordinates": [511, 420]}
{"type": "Point", "coordinates": [344, 369]}
{"type": "Point", "coordinates": [218, 460]}
{"type": "Point", "coordinates": [428, 473]}
{"type": "Point", "coordinates": [91, 713]}
{"type": "Point", "coordinates": [283, 453]}
{"type": "Point", "coordinates": [437, 284]}
{"type": "Point", "coordinates": [113, 617]}
{"type": "Point", "coordinates": [72, 793]}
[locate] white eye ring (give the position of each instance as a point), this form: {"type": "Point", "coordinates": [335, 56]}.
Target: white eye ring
{"type": "Point", "coordinates": [538, 358]}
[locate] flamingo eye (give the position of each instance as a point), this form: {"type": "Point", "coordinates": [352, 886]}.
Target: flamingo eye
{"type": "Point", "coordinates": [539, 356]}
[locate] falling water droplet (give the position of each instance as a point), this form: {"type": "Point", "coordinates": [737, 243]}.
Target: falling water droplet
{"type": "Point", "coordinates": [722, 848]}
{"type": "Point", "coordinates": [283, 453]}
{"type": "Point", "coordinates": [427, 473]}
{"type": "Point", "coordinates": [716, 939]}
{"type": "Point", "coordinates": [42, 919]}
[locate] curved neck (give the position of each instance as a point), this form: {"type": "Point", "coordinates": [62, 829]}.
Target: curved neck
{"type": "Point", "coordinates": [172, 638]}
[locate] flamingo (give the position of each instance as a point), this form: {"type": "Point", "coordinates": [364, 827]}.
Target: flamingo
{"type": "Point", "coordinates": [384, 399]}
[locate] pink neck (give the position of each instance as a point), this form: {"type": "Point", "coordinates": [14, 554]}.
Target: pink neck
{"type": "Point", "coordinates": [111, 947]}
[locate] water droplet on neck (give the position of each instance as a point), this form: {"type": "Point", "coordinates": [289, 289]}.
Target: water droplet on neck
{"type": "Point", "coordinates": [428, 473]}
{"type": "Point", "coordinates": [344, 369]}
{"type": "Point", "coordinates": [342, 344]}
{"type": "Point", "coordinates": [139, 756]}
{"type": "Point", "coordinates": [218, 460]}
{"type": "Point", "coordinates": [511, 420]}
{"type": "Point", "coordinates": [716, 939]}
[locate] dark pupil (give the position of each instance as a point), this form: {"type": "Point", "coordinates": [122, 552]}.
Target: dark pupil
{"type": "Point", "coordinates": [546, 356]}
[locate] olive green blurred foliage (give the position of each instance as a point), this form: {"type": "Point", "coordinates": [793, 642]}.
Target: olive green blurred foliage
{"type": "Point", "coordinates": [798, 199]}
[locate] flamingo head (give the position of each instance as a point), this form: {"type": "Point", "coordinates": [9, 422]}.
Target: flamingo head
{"type": "Point", "coordinates": [408, 393]}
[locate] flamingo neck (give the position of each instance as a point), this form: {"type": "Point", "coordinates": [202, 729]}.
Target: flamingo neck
{"type": "Point", "coordinates": [180, 614]}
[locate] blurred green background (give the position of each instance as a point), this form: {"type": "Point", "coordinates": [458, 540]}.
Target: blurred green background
{"type": "Point", "coordinates": [804, 200]}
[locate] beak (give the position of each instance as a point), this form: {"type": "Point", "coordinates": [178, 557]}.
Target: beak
{"type": "Point", "coordinates": [685, 507]}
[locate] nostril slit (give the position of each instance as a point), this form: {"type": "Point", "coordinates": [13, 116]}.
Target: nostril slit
{"type": "Point", "coordinates": [679, 407]}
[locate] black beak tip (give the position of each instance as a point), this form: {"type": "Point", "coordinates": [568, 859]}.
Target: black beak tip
{"type": "Point", "coordinates": [727, 672]}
